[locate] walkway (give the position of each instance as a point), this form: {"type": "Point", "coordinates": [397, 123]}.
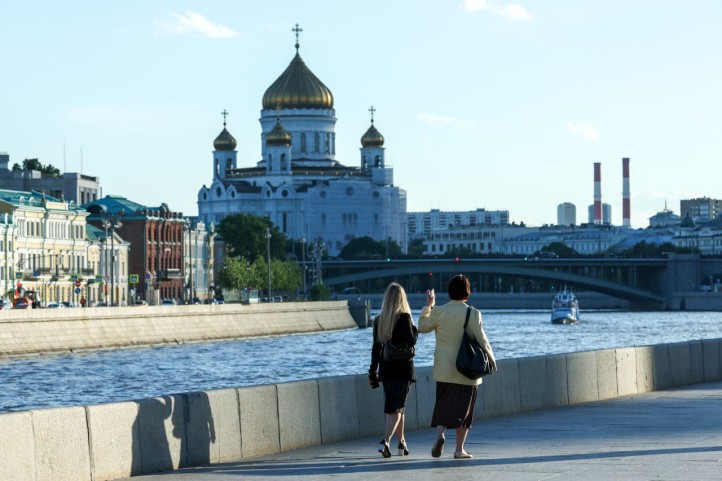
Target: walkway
{"type": "Point", "coordinates": [665, 435]}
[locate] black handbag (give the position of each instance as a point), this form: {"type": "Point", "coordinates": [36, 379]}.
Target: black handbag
{"type": "Point", "coordinates": [392, 352]}
{"type": "Point", "coordinates": [472, 361]}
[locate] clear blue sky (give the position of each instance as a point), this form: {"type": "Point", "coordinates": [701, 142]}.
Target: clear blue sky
{"type": "Point", "coordinates": [483, 104]}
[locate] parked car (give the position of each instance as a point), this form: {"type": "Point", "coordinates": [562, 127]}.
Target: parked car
{"type": "Point", "coordinates": [22, 303]}
{"type": "Point", "coordinates": [5, 304]}
{"type": "Point", "coordinates": [168, 302]}
{"type": "Point", "coordinates": [56, 305]}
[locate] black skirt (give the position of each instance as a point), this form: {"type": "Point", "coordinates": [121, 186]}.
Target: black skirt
{"type": "Point", "coordinates": [395, 395]}
{"type": "Point", "coordinates": [454, 406]}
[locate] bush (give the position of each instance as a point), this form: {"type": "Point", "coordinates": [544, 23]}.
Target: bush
{"type": "Point", "coordinates": [319, 292]}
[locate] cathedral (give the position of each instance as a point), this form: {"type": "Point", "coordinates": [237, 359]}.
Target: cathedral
{"type": "Point", "coordinates": [298, 184]}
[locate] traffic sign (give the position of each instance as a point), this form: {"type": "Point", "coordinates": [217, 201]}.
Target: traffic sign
{"type": "Point", "coordinates": [133, 278]}
{"type": "Point", "coordinates": [99, 279]}
{"type": "Point", "coordinates": [77, 290]}
{"type": "Point", "coordinates": [18, 274]}
{"type": "Point", "coordinates": [77, 284]}
{"type": "Point", "coordinates": [74, 277]}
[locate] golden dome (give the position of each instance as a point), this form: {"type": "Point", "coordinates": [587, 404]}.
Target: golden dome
{"type": "Point", "coordinates": [297, 88]}
{"type": "Point", "coordinates": [278, 136]}
{"type": "Point", "coordinates": [224, 141]}
{"type": "Point", "coordinates": [372, 138]}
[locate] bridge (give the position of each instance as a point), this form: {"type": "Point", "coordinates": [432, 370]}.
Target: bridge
{"type": "Point", "coordinates": [639, 280]}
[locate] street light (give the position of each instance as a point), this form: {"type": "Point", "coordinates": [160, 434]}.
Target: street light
{"type": "Point", "coordinates": [303, 257]}
{"type": "Point", "coordinates": [268, 254]}
{"type": "Point", "coordinates": [112, 222]}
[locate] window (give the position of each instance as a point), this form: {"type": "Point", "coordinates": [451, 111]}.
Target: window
{"type": "Point", "coordinates": [316, 143]}
{"type": "Point", "coordinates": [303, 142]}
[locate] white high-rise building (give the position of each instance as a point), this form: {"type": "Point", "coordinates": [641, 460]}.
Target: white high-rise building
{"type": "Point", "coordinates": [298, 183]}
{"type": "Point", "coordinates": [566, 214]}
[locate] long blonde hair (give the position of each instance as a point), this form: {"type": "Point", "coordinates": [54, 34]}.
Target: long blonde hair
{"type": "Point", "coordinates": [395, 303]}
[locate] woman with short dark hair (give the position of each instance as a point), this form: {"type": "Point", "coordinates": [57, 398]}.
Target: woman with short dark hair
{"type": "Point", "coordinates": [455, 393]}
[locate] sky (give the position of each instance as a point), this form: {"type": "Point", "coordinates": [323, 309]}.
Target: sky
{"type": "Point", "coordinates": [483, 104]}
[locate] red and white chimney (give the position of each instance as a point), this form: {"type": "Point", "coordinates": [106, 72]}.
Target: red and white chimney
{"type": "Point", "coordinates": [597, 192]}
{"type": "Point", "coordinates": [626, 209]}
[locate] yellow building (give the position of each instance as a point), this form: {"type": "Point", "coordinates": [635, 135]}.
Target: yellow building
{"type": "Point", "coordinates": [46, 252]}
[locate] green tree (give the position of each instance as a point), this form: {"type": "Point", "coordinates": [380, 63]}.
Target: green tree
{"type": "Point", "coordinates": [245, 236]}
{"type": "Point", "coordinates": [367, 248]}
{"type": "Point", "coordinates": [560, 249]}
{"type": "Point", "coordinates": [319, 292]}
{"type": "Point", "coordinates": [34, 164]}
{"type": "Point", "coordinates": [416, 248]}
{"type": "Point", "coordinates": [238, 273]}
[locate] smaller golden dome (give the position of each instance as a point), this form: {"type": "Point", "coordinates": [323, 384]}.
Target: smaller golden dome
{"type": "Point", "coordinates": [278, 136]}
{"type": "Point", "coordinates": [224, 141]}
{"type": "Point", "coordinates": [372, 138]}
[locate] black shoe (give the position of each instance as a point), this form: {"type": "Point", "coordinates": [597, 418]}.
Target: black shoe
{"type": "Point", "coordinates": [438, 448]}
{"type": "Point", "coordinates": [384, 449]}
{"type": "Point", "coordinates": [403, 449]}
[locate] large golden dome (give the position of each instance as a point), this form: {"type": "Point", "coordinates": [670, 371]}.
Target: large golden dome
{"type": "Point", "coordinates": [297, 88]}
{"type": "Point", "coordinates": [278, 136]}
{"type": "Point", "coordinates": [372, 138]}
{"type": "Point", "coordinates": [225, 140]}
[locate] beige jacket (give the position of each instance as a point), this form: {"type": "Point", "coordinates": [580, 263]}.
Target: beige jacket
{"type": "Point", "coordinates": [447, 322]}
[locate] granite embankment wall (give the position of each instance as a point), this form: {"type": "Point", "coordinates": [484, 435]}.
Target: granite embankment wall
{"type": "Point", "coordinates": [109, 441]}
{"type": "Point", "coordinates": [30, 331]}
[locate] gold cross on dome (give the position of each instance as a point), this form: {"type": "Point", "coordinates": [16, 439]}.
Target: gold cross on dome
{"type": "Point", "coordinates": [224, 114]}
{"type": "Point", "coordinates": [297, 30]}
{"type": "Point", "coordinates": [372, 110]}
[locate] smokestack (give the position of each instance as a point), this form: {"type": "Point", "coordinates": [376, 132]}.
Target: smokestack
{"type": "Point", "coordinates": [597, 192]}
{"type": "Point", "coordinates": [626, 210]}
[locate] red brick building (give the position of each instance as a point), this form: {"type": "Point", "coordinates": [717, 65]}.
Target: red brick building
{"type": "Point", "coordinates": [156, 238]}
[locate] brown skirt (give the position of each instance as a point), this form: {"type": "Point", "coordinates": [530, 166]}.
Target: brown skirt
{"type": "Point", "coordinates": [454, 405]}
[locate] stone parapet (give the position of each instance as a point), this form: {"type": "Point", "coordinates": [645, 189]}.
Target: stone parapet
{"type": "Point", "coordinates": [117, 440]}
{"type": "Point", "coordinates": [29, 331]}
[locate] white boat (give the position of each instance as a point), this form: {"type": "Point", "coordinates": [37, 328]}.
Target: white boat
{"type": "Point", "coordinates": [565, 308]}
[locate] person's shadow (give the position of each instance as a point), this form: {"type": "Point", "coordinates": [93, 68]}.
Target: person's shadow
{"type": "Point", "coordinates": [185, 442]}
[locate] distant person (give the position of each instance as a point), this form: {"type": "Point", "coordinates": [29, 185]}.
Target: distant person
{"type": "Point", "coordinates": [455, 393]}
{"type": "Point", "coordinates": [394, 323]}
{"type": "Point", "coordinates": [82, 302]}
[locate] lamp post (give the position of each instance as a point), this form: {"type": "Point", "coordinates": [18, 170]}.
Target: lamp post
{"type": "Point", "coordinates": [268, 256]}
{"type": "Point", "coordinates": [112, 222]}
{"type": "Point", "coordinates": [303, 257]}
{"type": "Point", "coordinates": [189, 226]}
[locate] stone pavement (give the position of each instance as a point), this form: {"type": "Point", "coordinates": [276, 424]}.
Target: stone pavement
{"type": "Point", "coordinates": [672, 434]}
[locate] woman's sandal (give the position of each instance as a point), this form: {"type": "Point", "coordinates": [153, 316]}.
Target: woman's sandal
{"type": "Point", "coordinates": [384, 449]}
{"type": "Point", "coordinates": [403, 449]}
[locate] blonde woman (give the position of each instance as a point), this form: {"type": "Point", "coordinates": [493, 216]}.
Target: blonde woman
{"type": "Point", "coordinates": [394, 324]}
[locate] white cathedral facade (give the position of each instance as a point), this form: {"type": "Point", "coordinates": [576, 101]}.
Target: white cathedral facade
{"type": "Point", "coordinates": [298, 183]}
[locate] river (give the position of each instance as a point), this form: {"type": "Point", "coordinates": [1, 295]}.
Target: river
{"type": "Point", "coordinates": [93, 377]}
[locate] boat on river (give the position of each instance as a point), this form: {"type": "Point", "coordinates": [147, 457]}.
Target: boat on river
{"type": "Point", "coordinates": [565, 308]}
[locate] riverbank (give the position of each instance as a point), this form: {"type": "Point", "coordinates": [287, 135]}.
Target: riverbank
{"type": "Point", "coordinates": [31, 331]}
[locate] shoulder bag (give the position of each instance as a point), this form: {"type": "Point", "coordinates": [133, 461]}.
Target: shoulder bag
{"type": "Point", "coordinates": [472, 361]}
{"type": "Point", "coordinates": [392, 352]}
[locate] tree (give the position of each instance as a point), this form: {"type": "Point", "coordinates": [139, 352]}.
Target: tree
{"type": "Point", "coordinates": [34, 164]}
{"type": "Point", "coordinates": [560, 249]}
{"type": "Point", "coordinates": [367, 248]}
{"type": "Point", "coordinates": [319, 292]}
{"type": "Point", "coordinates": [245, 236]}
{"type": "Point", "coordinates": [238, 273]}
{"type": "Point", "coordinates": [416, 248]}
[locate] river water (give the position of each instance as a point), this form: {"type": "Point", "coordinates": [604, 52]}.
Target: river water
{"type": "Point", "coordinates": [95, 377]}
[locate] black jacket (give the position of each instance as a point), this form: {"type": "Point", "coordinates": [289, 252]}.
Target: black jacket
{"type": "Point", "coordinates": [404, 334]}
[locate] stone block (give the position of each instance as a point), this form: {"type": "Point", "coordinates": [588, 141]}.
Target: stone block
{"type": "Point", "coordinates": [61, 444]}
{"type": "Point", "coordinates": [533, 383]}
{"type": "Point", "coordinates": [161, 429]}
{"type": "Point", "coordinates": [425, 388]}
{"type": "Point", "coordinates": [582, 377]}
{"type": "Point", "coordinates": [557, 388]}
{"type": "Point", "coordinates": [501, 390]}
{"type": "Point", "coordinates": [711, 359]}
{"type": "Point", "coordinates": [339, 411]}
{"type": "Point", "coordinates": [370, 403]}
{"type": "Point", "coordinates": [606, 373]}
{"type": "Point", "coordinates": [114, 441]}
{"type": "Point", "coordinates": [697, 359]}
{"type": "Point", "coordinates": [680, 363]}
{"type": "Point", "coordinates": [17, 447]}
{"type": "Point", "coordinates": [260, 432]}
{"type": "Point", "coordinates": [662, 372]}
{"type": "Point", "coordinates": [644, 357]}
{"type": "Point", "coordinates": [299, 420]}
{"type": "Point", "coordinates": [213, 427]}
{"type": "Point", "coordinates": [626, 371]}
